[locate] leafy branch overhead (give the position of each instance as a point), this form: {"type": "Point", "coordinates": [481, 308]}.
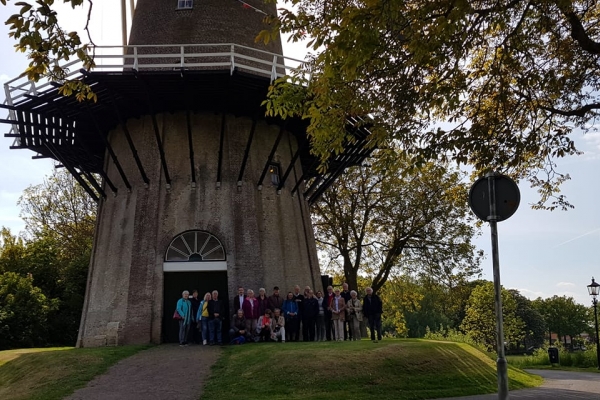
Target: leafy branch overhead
{"type": "Point", "coordinates": [496, 84]}
{"type": "Point", "coordinates": [38, 33]}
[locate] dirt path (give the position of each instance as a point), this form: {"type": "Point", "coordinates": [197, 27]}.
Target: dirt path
{"type": "Point", "coordinates": [162, 372]}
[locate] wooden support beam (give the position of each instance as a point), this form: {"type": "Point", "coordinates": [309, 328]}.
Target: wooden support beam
{"type": "Point", "coordinates": [110, 150]}
{"type": "Point", "coordinates": [136, 157]}
{"type": "Point", "coordinates": [221, 140]}
{"type": "Point", "coordinates": [190, 144]}
{"type": "Point", "coordinates": [246, 152]}
{"type": "Point", "coordinates": [71, 169]}
{"type": "Point", "coordinates": [358, 154]}
{"type": "Point", "coordinates": [161, 150]}
{"type": "Point", "coordinates": [292, 163]}
{"type": "Point", "coordinates": [94, 183]}
{"type": "Point", "coordinates": [304, 174]}
{"type": "Point", "coordinates": [67, 126]}
{"type": "Point", "coordinates": [271, 155]}
{"type": "Point", "coordinates": [313, 186]}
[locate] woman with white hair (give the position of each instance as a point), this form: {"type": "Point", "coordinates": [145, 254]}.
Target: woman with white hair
{"type": "Point", "coordinates": [184, 310]}
{"type": "Point", "coordinates": [355, 312]}
{"type": "Point", "coordinates": [338, 315]}
{"type": "Point", "coordinates": [251, 312]}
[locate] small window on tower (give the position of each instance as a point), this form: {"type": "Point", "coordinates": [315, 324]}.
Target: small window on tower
{"type": "Point", "coordinates": [185, 4]}
{"type": "Point", "coordinates": [274, 171]}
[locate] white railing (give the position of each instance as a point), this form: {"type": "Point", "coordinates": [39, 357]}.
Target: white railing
{"type": "Point", "coordinates": [167, 57]}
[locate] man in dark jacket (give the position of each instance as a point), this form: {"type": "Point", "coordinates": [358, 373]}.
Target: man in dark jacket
{"type": "Point", "coordinates": [215, 323]}
{"type": "Point", "coordinates": [195, 333]}
{"type": "Point", "coordinates": [238, 326]}
{"type": "Point", "coordinates": [347, 297]}
{"type": "Point", "coordinates": [275, 301]}
{"type": "Point", "coordinates": [298, 297]}
{"type": "Point", "coordinates": [309, 317]}
{"type": "Point", "coordinates": [372, 309]}
{"type": "Point", "coordinates": [238, 300]}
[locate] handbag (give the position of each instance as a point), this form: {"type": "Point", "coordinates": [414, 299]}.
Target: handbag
{"type": "Point", "coordinates": [176, 316]}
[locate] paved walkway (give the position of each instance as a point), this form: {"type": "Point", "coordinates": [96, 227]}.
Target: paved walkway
{"type": "Point", "coordinates": [558, 385]}
{"type": "Point", "coordinates": [162, 372]}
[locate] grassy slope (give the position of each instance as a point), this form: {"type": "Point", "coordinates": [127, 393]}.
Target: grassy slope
{"type": "Point", "coordinates": [54, 373]}
{"type": "Point", "coordinates": [392, 369]}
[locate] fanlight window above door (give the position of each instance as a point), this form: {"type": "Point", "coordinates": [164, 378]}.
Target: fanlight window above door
{"type": "Point", "coordinates": [195, 246]}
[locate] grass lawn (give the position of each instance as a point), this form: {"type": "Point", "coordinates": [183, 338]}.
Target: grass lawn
{"type": "Point", "coordinates": [392, 369]}
{"type": "Point", "coordinates": [53, 373]}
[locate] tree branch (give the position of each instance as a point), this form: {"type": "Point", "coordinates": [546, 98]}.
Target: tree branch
{"type": "Point", "coordinates": [578, 112]}
{"type": "Point", "coordinates": [579, 34]}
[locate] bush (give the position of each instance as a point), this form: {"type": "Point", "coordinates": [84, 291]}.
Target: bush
{"type": "Point", "coordinates": [579, 359]}
{"type": "Point", "coordinates": [452, 335]}
{"type": "Point", "coordinates": [23, 312]}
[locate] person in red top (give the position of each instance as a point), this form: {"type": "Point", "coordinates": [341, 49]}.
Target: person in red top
{"type": "Point", "coordinates": [327, 306]}
{"type": "Point", "coordinates": [264, 326]}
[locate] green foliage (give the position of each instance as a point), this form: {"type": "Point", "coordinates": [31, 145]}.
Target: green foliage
{"type": "Point", "coordinates": [24, 311]}
{"type": "Point", "coordinates": [393, 218]}
{"type": "Point", "coordinates": [498, 85]}
{"type": "Point", "coordinates": [37, 31]}
{"type": "Point", "coordinates": [563, 315]}
{"type": "Point", "coordinates": [480, 317]}
{"type": "Point", "coordinates": [55, 254]}
{"type": "Point", "coordinates": [535, 324]}
{"type": "Point", "coordinates": [566, 358]}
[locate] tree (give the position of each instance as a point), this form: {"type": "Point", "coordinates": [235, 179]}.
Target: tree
{"type": "Point", "coordinates": [55, 254]}
{"type": "Point", "coordinates": [480, 316]}
{"type": "Point", "coordinates": [23, 312]}
{"type": "Point", "coordinates": [563, 315]}
{"type": "Point", "coordinates": [400, 295]}
{"type": "Point", "coordinates": [496, 84]}
{"type": "Point", "coordinates": [61, 209]}
{"type": "Point", "coordinates": [377, 220]}
{"type": "Point", "coordinates": [535, 324]}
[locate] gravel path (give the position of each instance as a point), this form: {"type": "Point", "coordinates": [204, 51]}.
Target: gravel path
{"type": "Point", "coordinates": [558, 385]}
{"type": "Point", "coordinates": [162, 372]}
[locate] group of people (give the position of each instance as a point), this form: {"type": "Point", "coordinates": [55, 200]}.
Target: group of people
{"type": "Point", "coordinates": [335, 315]}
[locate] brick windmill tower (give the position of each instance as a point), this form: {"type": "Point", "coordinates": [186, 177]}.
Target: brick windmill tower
{"type": "Point", "coordinates": [196, 189]}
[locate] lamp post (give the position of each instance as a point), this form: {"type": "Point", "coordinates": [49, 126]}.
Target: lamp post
{"type": "Point", "coordinates": [594, 291]}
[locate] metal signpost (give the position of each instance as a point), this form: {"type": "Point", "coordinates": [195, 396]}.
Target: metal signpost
{"type": "Point", "coordinates": [494, 198]}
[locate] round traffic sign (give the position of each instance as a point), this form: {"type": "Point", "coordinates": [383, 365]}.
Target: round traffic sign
{"type": "Point", "coordinates": [508, 197]}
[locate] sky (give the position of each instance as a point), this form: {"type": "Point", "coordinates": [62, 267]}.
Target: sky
{"type": "Point", "coordinates": [542, 253]}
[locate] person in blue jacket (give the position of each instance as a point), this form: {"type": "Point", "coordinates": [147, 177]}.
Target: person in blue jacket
{"type": "Point", "coordinates": [290, 312]}
{"type": "Point", "coordinates": [184, 309]}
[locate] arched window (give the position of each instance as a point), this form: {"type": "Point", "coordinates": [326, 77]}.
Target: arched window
{"type": "Point", "coordinates": [195, 246]}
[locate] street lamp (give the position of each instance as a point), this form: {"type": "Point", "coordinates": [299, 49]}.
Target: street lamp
{"type": "Point", "coordinates": [594, 291]}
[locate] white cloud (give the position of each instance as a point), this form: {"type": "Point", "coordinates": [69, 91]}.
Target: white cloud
{"type": "Point", "coordinates": [532, 294]}
{"type": "Point", "coordinates": [3, 77]}
{"type": "Point", "coordinates": [591, 146]}
{"type": "Point", "coordinates": [565, 284]}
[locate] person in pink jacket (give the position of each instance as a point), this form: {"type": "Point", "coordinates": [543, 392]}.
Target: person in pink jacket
{"type": "Point", "coordinates": [251, 311]}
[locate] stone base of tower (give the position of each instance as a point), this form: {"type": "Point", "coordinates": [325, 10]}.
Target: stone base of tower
{"type": "Point", "coordinates": [266, 234]}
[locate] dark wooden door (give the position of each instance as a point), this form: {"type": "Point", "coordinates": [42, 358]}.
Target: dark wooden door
{"type": "Point", "coordinates": [177, 282]}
